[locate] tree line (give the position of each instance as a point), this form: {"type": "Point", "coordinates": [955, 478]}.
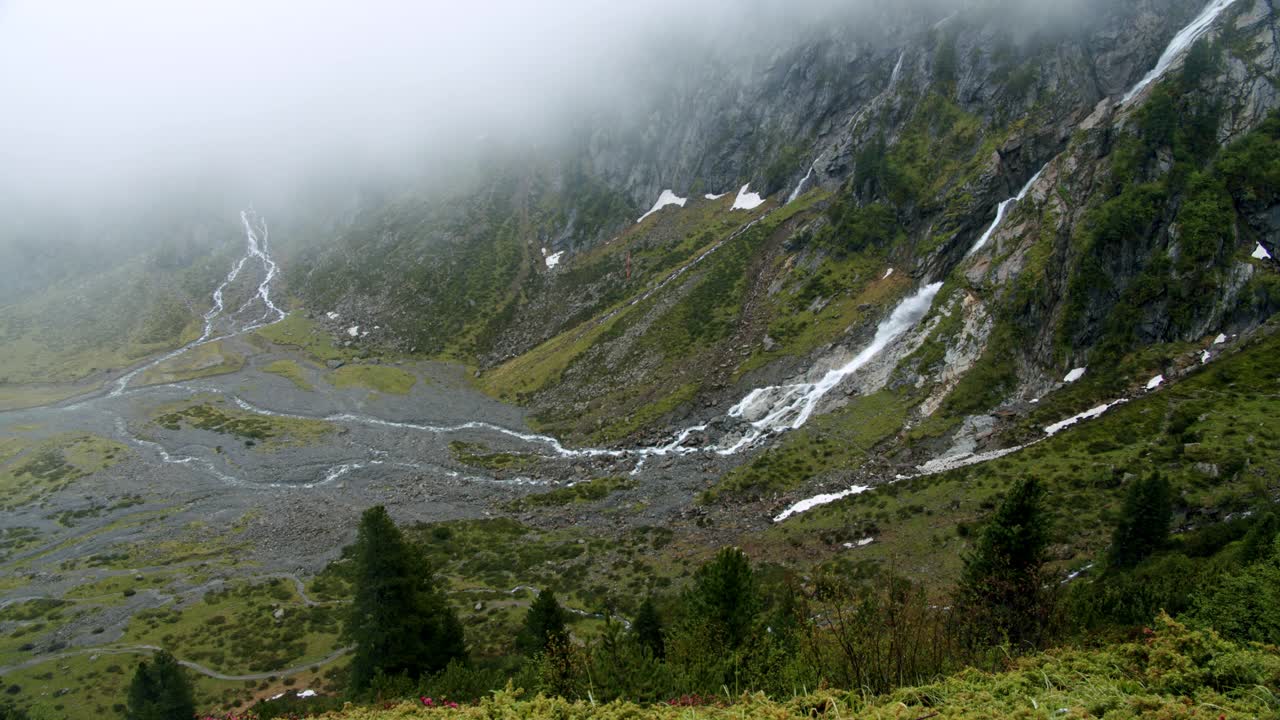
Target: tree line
{"type": "Point", "coordinates": [733, 630]}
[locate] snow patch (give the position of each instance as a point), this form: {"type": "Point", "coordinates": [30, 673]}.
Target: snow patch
{"type": "Point", "coordinates": [1260, 253]}
{"type": "Point", "coordinates": [709, 196]}
{"type": "Point", "coordinates": [887, 273]}
{"type": "Point", "coordinates": [554, 259]}
{"type": "Point", "coordinates": [1204, 356]}
{"type": "Point", "coordinates": [307, 693]}
{"type": "Point", "coordinates": [1220, 339]}
{"type": "Point", "coordinates": [1089, 414]}
{"type": "Point", "coordinates": [1074, 375]}
{"type": "Point", "coordinates": [1155, 382]}
{"type": "Point", "coordinates": [747, 200]}
{"type": "Point", "coordinates": [861, 543]}
{"type": "Point", "coordinates": [354, 330]}
{"type": "Point", "coordinates": [332, 315]}
{"type": "Point", "coordinates": [816, 500]}
{"type": "Point", "coordinates": [666, 198]}
{"type": "Point", "coordinates": [953, 462]}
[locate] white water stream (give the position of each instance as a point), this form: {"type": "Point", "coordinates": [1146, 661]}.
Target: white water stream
{"type": "Point", "coordinates": [1180, 44]}
{"type": "Point", "coordinates": [255, 250]}
{"type": "Point", "coordinates": [766, 411]}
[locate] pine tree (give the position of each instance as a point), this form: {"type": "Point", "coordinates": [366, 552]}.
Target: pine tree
{"type": "Point", "coordinates": [1001, 594]}
{"type": "Point", "coordinates": [160, 690]}
{"type": "Point", "coordinates": [543, 624]}
{"type": "Point", "coordinates": [1260, 540]}
{"type": "Point", "coordinates": [400, 623]}
{"type": "Point", "coordinates": [725, 594]}
{"type": "Point", "coordinates": [647, 629]}
{"type": "Point", "coordinates": [1144, 521]}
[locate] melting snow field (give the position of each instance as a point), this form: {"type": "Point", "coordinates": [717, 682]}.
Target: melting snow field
{"type": "Point", "coordinates": [1260, 253]}
{"type": "Point", "coordinates": [1089, 414]}
{"type": "Point", "coordinates": [1074, 375]}
{"type": "Point", "coordinates": [816, 500]}
{"type": "Point", "coordinates": [666, 198]}
{"type": "Point", "coordinates": [747, 200]}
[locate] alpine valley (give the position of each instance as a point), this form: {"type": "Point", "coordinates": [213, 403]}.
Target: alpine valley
{"type": "Point", "coordinates": [770, 355]}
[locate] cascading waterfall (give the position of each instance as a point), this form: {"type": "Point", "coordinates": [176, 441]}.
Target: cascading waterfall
{"type": "Point", "coordinates": [256, 250]}
{"type": "Point", "coordinates": [1180, 44]}
{"type": "Point", "coordinates": [1001, 209]}
{"type": "Point", "coordinates": [787, 407]}
{"type": "Point", "coordinates": [897, 69]}
{"type": "Point", "coordinates": [800, 186]}
{"type": "Point", "coordinates": [765, 410]}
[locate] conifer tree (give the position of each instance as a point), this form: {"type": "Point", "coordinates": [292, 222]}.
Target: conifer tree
{"type": "Point", "coordinates": [647, 629]}
{"type": "Point", "coordinates": [160, 690]}
{"type": "Point", "coordinates": [725, 594]}
{"type": "Point", "coordinates": [1144, 521]}
{"type": "Point", "coordinates": [1260, 540]}
{"type": "Point", "coordinates": [399, 621]}
{"type": "Point", "coordinates": [543, 624]}
{"type": "Point", "coordinates": [9, 711]}
{"type": "Point", "coordinates": [1001, 594]}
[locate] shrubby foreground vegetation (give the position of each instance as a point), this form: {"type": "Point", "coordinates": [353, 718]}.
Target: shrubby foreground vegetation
{"type": "Point", "coordinates": [1168, 627]}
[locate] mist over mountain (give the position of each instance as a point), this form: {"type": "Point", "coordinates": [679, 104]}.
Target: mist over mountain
{"type": "Point", "coordinates": [752, 359]}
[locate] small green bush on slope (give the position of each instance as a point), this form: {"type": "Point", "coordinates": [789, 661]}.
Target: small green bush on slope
{"type": "Point", "coordinates": [1173, 672]}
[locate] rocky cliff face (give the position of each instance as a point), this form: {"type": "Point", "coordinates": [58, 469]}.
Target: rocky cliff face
{"type": "Point", "coordinates": [903, 139]}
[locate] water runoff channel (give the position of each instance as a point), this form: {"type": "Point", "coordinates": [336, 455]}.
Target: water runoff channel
{"type": "Point", "coordinates": [762, 413]}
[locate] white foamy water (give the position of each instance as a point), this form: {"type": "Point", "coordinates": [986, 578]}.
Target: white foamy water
{"type": "Point", "coordinates": [897, 70]}
{"type": "Point", "coordinates": [787, 407]}
{"type": "Point", "coordinates": [1001, 210]}
{"type": "Point", "coordinates": [255, 249]}
{"type": "Point", "coordinates": [777, 404]}
{"type": "Point", "coordinates": [1180, 44]}
{"type": "Point", "coordinates": [800, 186]}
